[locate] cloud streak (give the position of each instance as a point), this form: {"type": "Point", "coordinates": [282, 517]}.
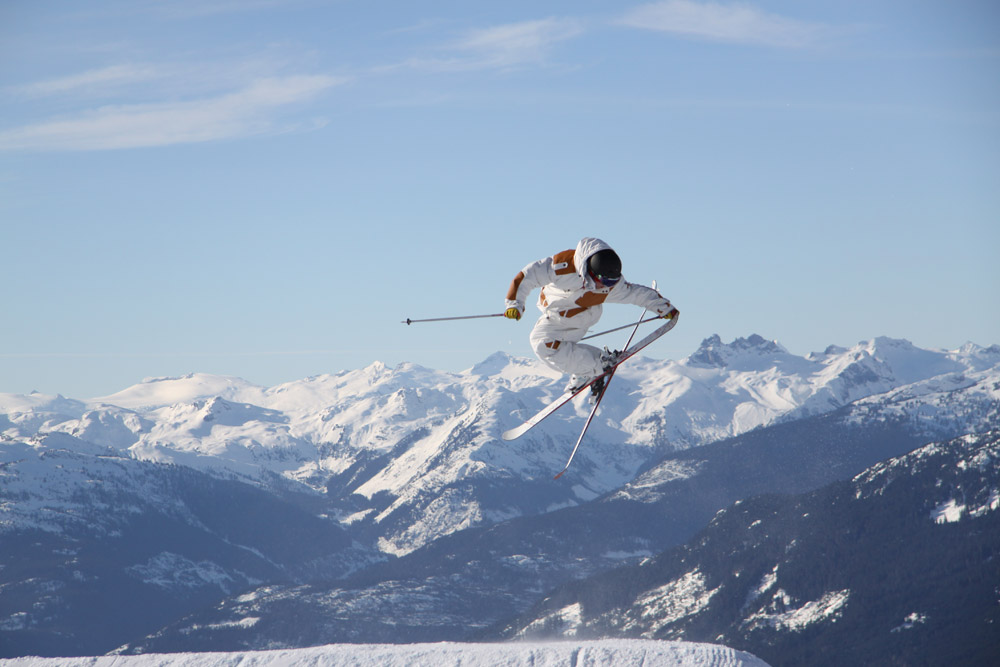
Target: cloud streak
{"type": "Point", "coordinates": [254, 110]}
{"type": "Point", "coordinates": [734, 23]}
{"type": "Point", "coordinates": [145, 105]}
{"type": "Point", "coordinates": [517, 43]}
{"type": "Point", "coordinates": [114, 76]}
{"type": "Point", "coordinates": [507, 46]}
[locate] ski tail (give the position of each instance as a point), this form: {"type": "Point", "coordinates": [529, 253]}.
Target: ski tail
{"type": "Point", "coordinates": [524, 427]}
{"type": "Point", "coordinates": [590, 418]}
{"type": "Point", "coordinates": [609, 374]}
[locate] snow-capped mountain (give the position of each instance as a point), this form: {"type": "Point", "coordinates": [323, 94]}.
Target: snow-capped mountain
{"type": "Point", "coordinates": [407, 453]}
{"type": "Point", "coordinates": [178, 491]}
{"type": "Point", "coordinates": [896, 566]}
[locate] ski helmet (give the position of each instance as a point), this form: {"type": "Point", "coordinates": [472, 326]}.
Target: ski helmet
{"type": "Point", "coordinates": [605, 266]}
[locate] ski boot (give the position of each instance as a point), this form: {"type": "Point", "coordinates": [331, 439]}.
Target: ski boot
{"type": "Point", "coordinates": [577, 382]}
{"type": "Point", "coordinates": [609, 359]}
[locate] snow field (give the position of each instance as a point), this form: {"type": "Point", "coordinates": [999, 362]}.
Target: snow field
{"type": "Point", "coordinates": [601, 653]}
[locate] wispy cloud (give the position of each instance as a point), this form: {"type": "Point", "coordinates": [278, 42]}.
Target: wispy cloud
{"type": "Point", "coordinates": [252, 110]}
{"type": "Point", "coordinates": [506, 46]}
{"type": "Point", "coordinates": [737, 23]}
{"type": "Point", "coordinates": [192, 9]}
{"type": "Point", "coordinates": [104, 78]}
{"type": "Point", "coordinates": [517, 43]}
{"type": "Point", "coordinates": [202, 8]}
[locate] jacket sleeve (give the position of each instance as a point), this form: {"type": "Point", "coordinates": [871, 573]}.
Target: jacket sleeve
{"type": "Point", "coordinates": [640, 295]}
{"type": "Point", "coordinates": [534, 275]}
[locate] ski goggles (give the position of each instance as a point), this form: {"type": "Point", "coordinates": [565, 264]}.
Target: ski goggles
{"type": "Point", "coordinates": [607, 281]}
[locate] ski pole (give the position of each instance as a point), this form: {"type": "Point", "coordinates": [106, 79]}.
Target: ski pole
{"type": "Point", "coordinates": [449, 319]}
{"type": "Point", "coordinates": [624, 326]}
{"type": "Point", "coordinates": [632, 335]}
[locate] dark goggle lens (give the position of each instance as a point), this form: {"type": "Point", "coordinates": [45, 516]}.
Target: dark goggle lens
{"type": "Point", "coordinates": [608, 281]}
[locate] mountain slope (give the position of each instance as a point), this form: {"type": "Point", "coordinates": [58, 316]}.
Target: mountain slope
{"type": "Point", "coordinates": [897, 566]}
{"type": "Point", "coordinates": [98, 548]}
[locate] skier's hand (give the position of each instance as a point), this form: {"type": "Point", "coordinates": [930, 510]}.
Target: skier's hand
{"type": "Point", "coordinates": [512, 313]}
{"type": "Point", "coordinates": [670, 314]}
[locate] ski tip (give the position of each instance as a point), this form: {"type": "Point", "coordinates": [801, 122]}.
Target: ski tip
{"type": "Point", "coordinates": [512, 434]}
{"type": "Point", "coordinates": [559, 475]}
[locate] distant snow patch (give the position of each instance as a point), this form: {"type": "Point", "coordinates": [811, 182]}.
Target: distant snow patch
{"type": "Point", "coordinates": [566, 621]}
{"type": "Point", "coordinates": [948, 512]}
{"type": "Point", "coordinates": [169, 570]}
{"type": "Point", "coordinates": [911, 622]}
{"type": "Point", "coordinates": [15, 622]}
{"type": "Point", "coordinates": [624, 555]}
{"type": "Point", "coordinates": [649, 486]}
{"type": "Point", "coordinates": [671, 602]}
{"type": "Point", "coordinates": [991, 504]}
{"type": "Point", "coordinates": [766, 583]}
{"type": "Point", "coordinates": [798, 619]}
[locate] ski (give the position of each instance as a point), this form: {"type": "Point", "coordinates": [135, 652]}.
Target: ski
{"type": "Point", "coordinates": [568, 396]}
{"type": "Point", "coordinates": [530, 423]}
{"type": "Point", "coordinates": [590, 418]}
{"type": "Point", "coordinates": [597, 401]}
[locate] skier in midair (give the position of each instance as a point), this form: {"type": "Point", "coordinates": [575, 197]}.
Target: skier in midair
{"type": "Point", "coordinates": [574, 284]}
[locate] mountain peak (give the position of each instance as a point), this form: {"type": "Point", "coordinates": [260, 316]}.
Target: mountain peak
{"type": "Point", "coordinates": [888, 343]}
{"type": "Point", "coordinates": [907, 362]}
{"type": "Point", "coordinates": [714, 353]}
{"type": "Point", "coordinates": [977, 356]}
{"type": "Point", "coordinates": [492, 364]}
{"type": "Point", "coordinates": [163, 391]}
{"type": "Point", "coordinates": [504, 367]}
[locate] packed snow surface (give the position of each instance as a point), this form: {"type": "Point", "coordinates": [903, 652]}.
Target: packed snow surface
{"type": "Point", "coordinates": [609, 653]}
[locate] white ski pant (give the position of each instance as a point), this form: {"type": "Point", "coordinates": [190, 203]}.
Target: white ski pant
{"type": "Point", "coordinates": [557, 345]}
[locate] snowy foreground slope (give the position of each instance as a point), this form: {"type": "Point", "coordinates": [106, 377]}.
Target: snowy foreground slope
{"type": "Point", "coordinates": [607, 653]}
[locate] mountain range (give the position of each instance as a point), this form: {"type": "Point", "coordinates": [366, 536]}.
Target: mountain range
{"type": "Point", "coordinates": [381, 505]}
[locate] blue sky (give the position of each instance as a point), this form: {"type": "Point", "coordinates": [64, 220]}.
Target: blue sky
{"type": "Point", "coordinates": [266, 189]}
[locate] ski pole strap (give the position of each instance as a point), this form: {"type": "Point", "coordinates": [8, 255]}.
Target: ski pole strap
{"type": "Point", "coordinates": [408, 321]}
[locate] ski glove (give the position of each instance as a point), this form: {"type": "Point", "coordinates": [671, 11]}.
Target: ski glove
{"type": "Point", "coordinates": [513, 311]}
{"type": "Point", "coordinates": [668, 314]}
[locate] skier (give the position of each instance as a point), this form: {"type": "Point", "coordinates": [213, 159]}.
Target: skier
{"type": "Point", "coordinates": [574, 284]}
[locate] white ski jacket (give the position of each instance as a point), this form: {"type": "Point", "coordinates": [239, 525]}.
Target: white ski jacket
{"type": "Point", "coordinates": [570, 300]}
